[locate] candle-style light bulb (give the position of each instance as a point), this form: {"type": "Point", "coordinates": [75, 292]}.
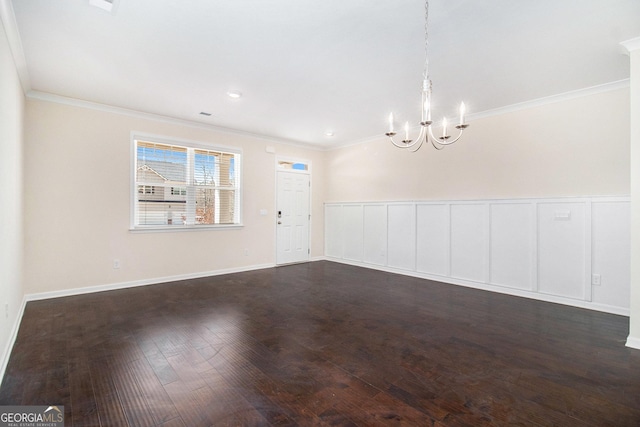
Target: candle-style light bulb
{"type": "Point", "coordinates": [406, 131]}
{"type": "Point", "coordinates": [390, 122]}
{"type": "Point", "coordinates": [444, 127]}
{"type": "Point", "coordinates": [427, 110]}
{"type": "Point", "coordinates": [462, 110]}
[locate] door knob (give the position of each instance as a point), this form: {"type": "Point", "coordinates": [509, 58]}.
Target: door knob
{"type": "Point", "coordinates": [279, 222]}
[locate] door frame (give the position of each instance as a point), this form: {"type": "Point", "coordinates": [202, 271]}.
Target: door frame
{"type": "Point", "coordinates": [278, 161]}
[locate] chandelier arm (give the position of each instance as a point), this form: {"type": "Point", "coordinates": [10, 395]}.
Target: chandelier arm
{"type": "Point", "coordinates": [418, 147]}
{"type": "Point", "coordinates": [402, 145]}
{"type": "Point", "coordinates": [444, 143]}
{"type": "Point", "coordinates": [411, 144]}
{"type": "Point", "coordinates": [436, 145]}
{"type": "Point", "coordinates": [422, 137]}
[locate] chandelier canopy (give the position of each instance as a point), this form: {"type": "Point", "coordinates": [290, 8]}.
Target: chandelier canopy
{"type": "Point", "coordinates": [426, 130]}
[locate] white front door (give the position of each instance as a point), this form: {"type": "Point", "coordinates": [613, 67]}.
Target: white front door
{"type": "Point", "coordinates": [292, 217]}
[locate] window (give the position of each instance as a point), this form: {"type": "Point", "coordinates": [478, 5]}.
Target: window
{"type": "Point", "coordinates": [185, 185]}
{"type": "Point", "coordinates": [291, 165]}
{"type": "Point", "coordinates": [146, 189]}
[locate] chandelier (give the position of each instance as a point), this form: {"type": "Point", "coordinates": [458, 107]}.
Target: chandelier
{"type": "Point", "coordinates": [426, 130]}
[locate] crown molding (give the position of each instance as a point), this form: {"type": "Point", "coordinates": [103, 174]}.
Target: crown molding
{"type": "Point", "coordinates": [10, 25]}
{"type": "Point", "coordinates": [566, 96]}
{"type": "Point", "coordinates": [43, 96]}
{"type": "Point", "coordinates": [73, 102]}
{"type": "Point", "coordinates": [607, 87]}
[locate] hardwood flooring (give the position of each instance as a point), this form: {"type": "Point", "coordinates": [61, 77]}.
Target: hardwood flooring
{"type": "Point", "coordinates": [322, 344]}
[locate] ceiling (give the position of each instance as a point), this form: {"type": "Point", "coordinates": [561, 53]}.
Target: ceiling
{"type": "Point", "coordinates": [305, 68]}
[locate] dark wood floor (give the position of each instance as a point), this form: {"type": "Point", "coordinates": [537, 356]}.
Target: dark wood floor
{"type": "Point", "coordinates": [322, 344]}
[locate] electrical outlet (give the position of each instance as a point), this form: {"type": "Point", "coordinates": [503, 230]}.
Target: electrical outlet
{"type": "Point", "coordinates": [116, 264]}
{"type": "Point", "coordinates": [596, 280]}
{"type": "Point", "coordinates": [246, 252]}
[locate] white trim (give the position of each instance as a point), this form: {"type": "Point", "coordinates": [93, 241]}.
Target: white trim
{"type": "Point", "coordinates": [485, 281]}
{"type": "Point", "coordinates": [8, 17]}
{"type": "Point", "coordinates": [633, 342]}
{"type": "Point", "coordinates": [491, 288]}
{"type": "Point", "coordinates": [12, 339]}
{"type": "Point", "coordinates": [565, 96]}
{"type": "Point", "coordinates": [43, 96]}
{"type": "Point", "coordinates": [142, 282]}
{"type": "Point", "coordinates": [555, 199]}
{"type": "Point", "coordinates": [588, 245]}
{"type": "Point", "coordinates": [277, 160]}
{"type": "Point", "coordinates": [182, 142]}
{"type": "Point", "coordinates": [632, 44]}
{"type": "Point", "coordinates": [190, 146]}
{"type": "Point", "coordinates": [183, 228]}
{"type": "Point", "coordinates": [293, 160]}
{"type": "Point", "coordinates": [73, 102]}
{"type": "Point", "coordinates": [275, 203]}
{"type": "Point", "coordinates": [112, 287]}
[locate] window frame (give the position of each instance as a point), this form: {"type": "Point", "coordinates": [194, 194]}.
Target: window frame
{"type": "Point", "coordinates": [188, 144]}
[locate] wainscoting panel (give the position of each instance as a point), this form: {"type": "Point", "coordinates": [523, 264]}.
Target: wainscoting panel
{"type": "Point", "coordinates": [375, 234]}
{"type": "Point", "coordinates": [401, 236]}
{"type": "Point", "coordinates": [611, 238]}
{"type": "Point", "coordinates": [562, 249]}
{"type": "Point", "coordinates": [433, 239]}
{"type": "Point", "coordinates": [572, 251]}
{"type": "Point", "coordinates": [468, 241]}
{"type": "Point", "coordinates": [512, 236]}
{"type": "Point", "coordinates": [333, 238]}
{"type": "Point", "coordinates": [352, 227]}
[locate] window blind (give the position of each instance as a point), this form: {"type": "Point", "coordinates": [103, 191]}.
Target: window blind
{"type": "Point", "coordinates": [183, 186]}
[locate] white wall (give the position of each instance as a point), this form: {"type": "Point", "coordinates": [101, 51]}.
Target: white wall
{"type": "Point", "coordinates": [634, 330]}
{"type": "Point", "coordinates": [77, 203]}
{"type": "Point", "coordinates": [545, 249]}
{"type": "Point", "coordinates": [11, 212]}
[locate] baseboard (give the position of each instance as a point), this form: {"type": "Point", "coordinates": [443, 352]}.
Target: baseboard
{"type": "Point", "coordinates": [142, 282]}
{"type": "Point", "coordinates": [12, 339]}
{"type": "Point", "coordinates": [102, 288]}
{"type": "Point", "coordinates": [633, 342]}
{"type": "Point", "coordinates": [493, 288]}
{"type": "Point", "coordinates": [109, 287]}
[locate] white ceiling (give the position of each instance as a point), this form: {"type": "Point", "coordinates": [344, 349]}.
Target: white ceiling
{"type": "Point", "coordinates": [307, 67]}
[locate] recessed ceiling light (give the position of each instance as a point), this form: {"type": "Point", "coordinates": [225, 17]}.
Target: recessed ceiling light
{"type": "Point", "coordinates": [329, 133]}
{"type": "Point", "coordinates": [234, 94]}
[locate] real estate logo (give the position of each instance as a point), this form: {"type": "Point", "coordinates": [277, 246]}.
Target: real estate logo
{"type": "Point", "coordinates": [31, 416]}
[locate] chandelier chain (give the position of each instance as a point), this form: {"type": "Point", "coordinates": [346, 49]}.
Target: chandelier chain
{"type": "Point", "coordinates": [426, 128]}
{"type": "Point", "coordinates": [426, 40]}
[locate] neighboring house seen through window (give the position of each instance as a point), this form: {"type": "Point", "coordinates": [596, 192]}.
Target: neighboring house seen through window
{"type": "Point", "coordinates": [185, 185]}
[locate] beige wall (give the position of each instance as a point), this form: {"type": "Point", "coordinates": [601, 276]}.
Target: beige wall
{"type": "Point", "coordinates": [77, 203]}
{"type": "Point", "coordinates": [577, 147]}
{"type": "Point", "coordinates": [11, 141]}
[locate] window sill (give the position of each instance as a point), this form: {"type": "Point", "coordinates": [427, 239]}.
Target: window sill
{"type": "Point", "coordinates": [178, 228]}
